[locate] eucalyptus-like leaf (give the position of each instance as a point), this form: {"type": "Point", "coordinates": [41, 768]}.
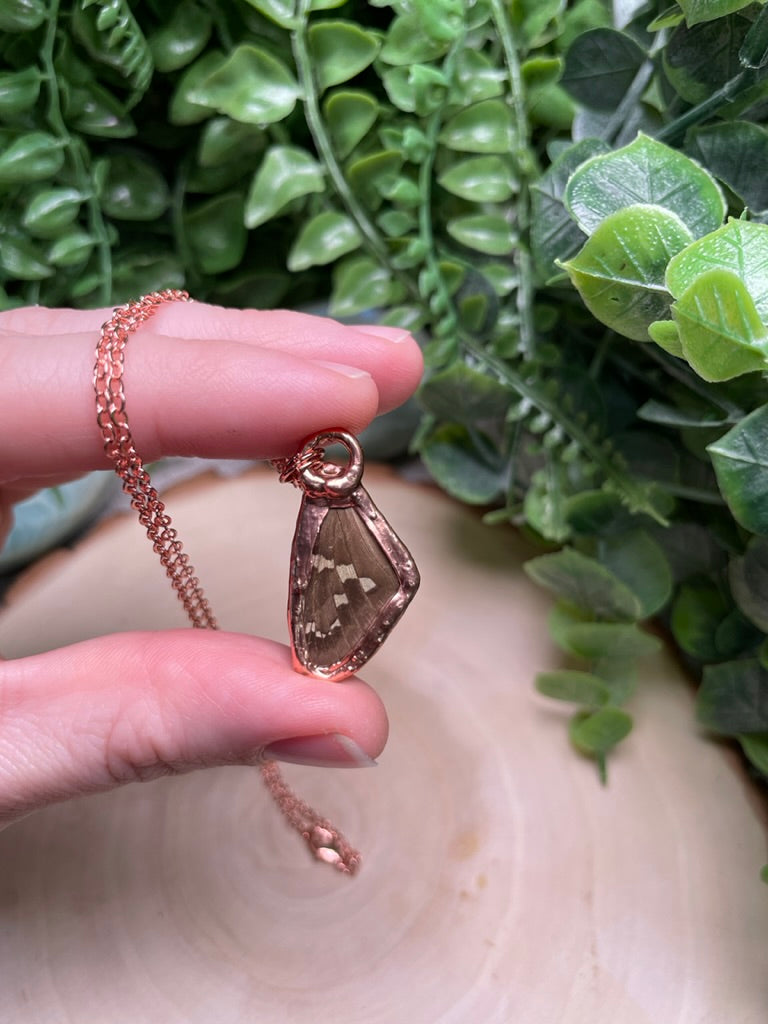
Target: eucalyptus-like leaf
{"type": "Point", "coordinates": [453, 458]}
{"type": "Point", "coordinates": [465, 395]}
{"type": "Point", "coordinates": [349, 115]}
{"type": "Point", "coordinates": [638, 560]}
{"type": "Point", "coordinates": [359, 284]}
{"type": "Point", "coordinates": [489, 233]}
{"type": "Point", "coordinates": [586, 583]}
{"type": "Point", "coordinates": [596, 733]}
{"type": "Point", "coordinates": [485, 127]}
{"type": "Point", "coordinates": [251, 85]}
{"type": "Point", "coordinates": [738, 246]}
{"type": "Point", "coordinates": [619, 272]}
{"type": "Point", "coordinates": [573, 686]}
{"type": "Point", "coordinates": [286, 173]}
{"type": "Point", "coordinates": [697, 611]}
{"type": "Point", "coordinates": [646, 172]}
{"type": "Point", "coordinates": [481, 179]}
{"type": "Point", "coordinates": [720, 332]}
{"type": "Point", "coordinates": [340, 50]}
{"type": "Point", "coordinates": [740, 459]}
{"type": "Point", "coordinates": [600, 66]}
{"type": "Point", "coordinates": [323, 239]}
{"type": "Point", "coordinates": [609, 639]}
{"type": "Point", "coordinates": [733, 697]}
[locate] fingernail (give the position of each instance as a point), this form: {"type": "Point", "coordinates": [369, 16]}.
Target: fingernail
{"type": "Point", "coordinates": [393, 334]}
{"type": "Point", "coordinates": [330, 751]}
{"type": "Point", "coordinates": [347, 371]}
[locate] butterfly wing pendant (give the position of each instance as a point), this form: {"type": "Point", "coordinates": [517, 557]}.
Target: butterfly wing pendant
{"type": "Point", "coordinates": [351, 575]}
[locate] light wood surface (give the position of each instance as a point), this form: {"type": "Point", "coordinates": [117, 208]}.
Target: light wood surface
{"type": "Point", "coordinates": [501, 882]}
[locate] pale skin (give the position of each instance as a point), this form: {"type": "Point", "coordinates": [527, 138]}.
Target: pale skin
{"type": "Point", "coordinates": [199, 380]}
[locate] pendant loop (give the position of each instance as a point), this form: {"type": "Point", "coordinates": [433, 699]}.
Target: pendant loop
{"type": "Point", "coordinates": [320, 479]}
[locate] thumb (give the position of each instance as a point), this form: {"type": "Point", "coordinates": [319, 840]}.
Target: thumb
{"type": "Point", "coordinates": [135, 706]}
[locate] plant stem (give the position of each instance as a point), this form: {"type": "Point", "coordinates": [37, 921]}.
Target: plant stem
{"type": "Point", "coordinates": [372, 238]}
{"type": "Point", "coordinates": [516, 99]}
{"type": "Point", "coordinates": [84, 180]}
{"type": "Point", "coordinates": [707, 108]}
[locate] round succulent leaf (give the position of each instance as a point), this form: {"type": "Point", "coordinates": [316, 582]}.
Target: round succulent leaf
{"type": "Point", "coordinates": [251, 85]}
{"type": "Point", "coordinates": [475, 78]}
{"type": "Point", "coordinates": [19, 90]}
{"type": "Point", "coordinates": [323, 239]}
{"type": "Point", "coordinates": [349, 116]}
{"type": "Point", "coordinates": [733, 697]}
{"type": "Point", "coordinates": [183, 110]}
{"type": "Point", "coordinates": [481, 179]}
{"type": "Point", "coordinates": [286, 173]}
{"type": "Point", "coordinates": [339, 51]}
{"type": "Point", "coordinates": [71, 249]}
{"type": "Point", "coordinates": [645, 171]}
{"type": "Point", "coordinates": [407, 43]}
{"type": "Point", "coordinates": [22, 15]}
{"type": "Point", "coordinates": [32, 156]}
{"type": "Point", "coordinates": [489, 233]}
{"type": "Point", "coordinates": [181, 38]}
{"type": "Point", "coordinates": [485, 127]}
{"type": "Point", "coordinates": [416, 89]}
{"type": "Point", "coordinates": [132, 188]}
{"type": "Point", "coordinates": [92, 110]}
{"type": "Point", "coordinates": [370, 176]}
{"type": "Point", "coordinates": [223, 141]}
{"type": "Point", "coordinates": [600, 66]}
{"type": "Point", "coordinates": [619, 272]}
{"type": "Point", "coordinates": [740, 460]}
{"type": "Point", "coordinates": [50, 211]}
{"type": "Point", "coordinates": [20, 259]}
{"type": "Point", "coordinates": [573, 686]}
{"type": "Point", "coordinates": [721, 334]}
{"type": "Point", "coordinates": [216, 232]}
{"type": "Point", "coordinates": [359, 284]}
{"type": "Point", "coordinates": [739, 246]}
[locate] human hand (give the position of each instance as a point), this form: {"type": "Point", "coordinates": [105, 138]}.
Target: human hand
{"type": "Point", "coordinates": [200, 380]}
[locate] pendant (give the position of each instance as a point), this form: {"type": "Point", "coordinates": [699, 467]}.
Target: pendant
{"type": "Point", "coordinates": [351, 576]}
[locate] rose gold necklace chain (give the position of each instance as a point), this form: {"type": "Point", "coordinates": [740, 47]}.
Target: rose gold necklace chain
{"type": "Point", "coordinates": [325, 842]}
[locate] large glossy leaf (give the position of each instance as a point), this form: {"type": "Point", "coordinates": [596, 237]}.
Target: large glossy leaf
{"type": "Point", "coordinates": [736, 152]}
{"type": "Point", "coordinates": [340, 50]}
{"type": "Point", "coordinates": [322, 240]}
{"type": "Point", "coordinates": [645, 171]}
{"type": "Point", "coordinates": [619, 272]}
{"type": "Point", "coordinates": [740, 247]}
{"type": "Point", "coordinates": [250, 86]}
{"type": "Point", "coordinates": [720, 332]}
{"type": "Point", "coordinates": [287, 173]}
{"type": "Point", "coordinates": [740, 458]}
{"type": "Point", "coordinates": [485, 127]}
{"type": "Point", "coordinates": [600, 66]}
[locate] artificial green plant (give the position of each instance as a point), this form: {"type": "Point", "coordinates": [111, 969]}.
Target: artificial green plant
{"type": "Point", "coordinates": [567, 200]}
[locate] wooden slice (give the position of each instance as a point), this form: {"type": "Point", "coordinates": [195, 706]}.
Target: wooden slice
{"type": "Point", "coordinates": [501, 881]}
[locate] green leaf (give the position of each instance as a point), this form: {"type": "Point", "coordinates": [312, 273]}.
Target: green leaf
{"type": "Point", "coordinates": [216, 232]}
{"type": "Point", "coordinates": [739, 246]}
{"type": "Point", "coordinates": [340, 50]}
{"type": "Point", "coordinates": [286, 173]}
{"type": "Point", "coordinates": [71, 249]}
{"type": "Point", "coordinates": [481, 179]}
{"type": "Point", "coordinates": [406, 42]}
{"type": "Point", "coordinates": [475, 78]}
{"type": "Point", "coordinates": [416, 89]}
{"type": "Point", "coordinates": [720, 331]}
{"type": "Point", "coordinates": [359, 284]}
{"type": "Point", "coordinates": [748, 577]}
{"type": "Point", "coordinates": [573, 686]}
{"type": "Point", "coordinates": [696, 11]}
{"type": "Point", "coordinates": [31, 157]}
{"type": "Point", "coordinates": [485, 232]}
{"type": "Point", "coordinates": [22, 15]}
{"type": "Point", "coordinates": [735, 152]}
{"type": "Point", "coordinates": [279, 11]}
{"type": "Point", "coordinates": [697, 612]}
{"type": "Point", "coordinates": [733, 697]}
{"type": "Point", "coordinates": [50, 211]}
{"type": "Point", "coordinates": [181, 38]}
{"type": "Point", "coordinates": [18, 90]}
{"type": "Point", "coordinates": [370, 176]}
{"type": "Point", "coordinates": [94, 111]}
{"type": "Point", "coordinates": [325, 238]}
{"type": "Point", "coordinates": [20, 259]}
{"type": "Point", "coordinates": [636, 559]}
{"type": "Point", "coordinates": [704, 58]}
{"type": "Point", "coordinates": [667, 336]}
{"type": "Point", "coordinates": [609, 639]}
{"type": "Point", "coordinates": [620, 271]}
{"type": "Point", "coordinates": [349, 115]}
{"type": "Point", "coordinates": [485, 127]}
{"type": "Point", "coordinates": [183, 110]}
{"type": "Point", "coordinates": [740, 458]}
{"type": "Point", "coordinates": [132, 188]}
{"type": "Point", "coordinates": [755, 747]}
{"type": "Point", "coordinates": [600, 66]}
{"type": "Point", "coordinates": [454, 460]}
{"type": "Point", "coordinates": [223, 141]}
{"type": "Point", "coordinates": [250, 86]}
{"type": "Point", "coordinates": [463, 394]}
{"type": "Point", "coordinates": [596, 733]}
{"type": "Point", "coordinates": [645, 171]}
{"type": "Point", "coordinates": [584, 582]}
